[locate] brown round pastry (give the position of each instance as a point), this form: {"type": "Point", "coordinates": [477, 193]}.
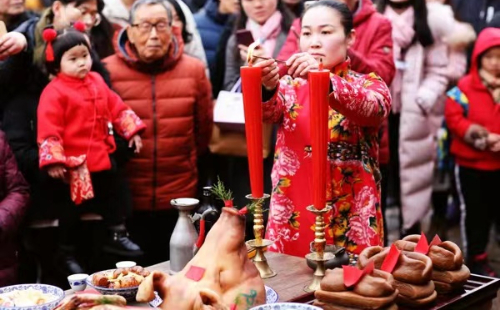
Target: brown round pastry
{"type": "Point", "coordinates": [413, 268]}
{"type": "Point", "coordinates": [414, 291]}
{"type": "Point", "coordinates": [412, 273]}
{"type": "Point", "coordinates": [416, 303]}
{"type": "Point", "coordinates": [100, 279]}
{"type": "Point", "coordinates": [373, 291]}
{"type": "Point", "coordinates": [327, 306]}
{"type": "Point", "coordinates": [445, 256]}
{"type": "Point", "coordinates": [449, 273]}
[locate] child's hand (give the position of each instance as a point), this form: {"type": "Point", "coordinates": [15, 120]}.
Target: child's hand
{"type": "Point", "coordinates": [11, 44]}
{"type": "Point", "coordinates": [270, 73]}
{"type": "Point", "coordinates": [137, 141]}
{"type": "Point", "coordinates": [300, 64]}
{"type": "Point", "coordinates": [493, 141]}
{"type": "Point", "coordinates": [475, 132]}
{"type": "Point", "coordinates": [57, 171]}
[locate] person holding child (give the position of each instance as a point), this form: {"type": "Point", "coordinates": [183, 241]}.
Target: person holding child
{"type": "Point", "coordinates": [77, 115]}
{"type": "Point", "coordinates": [472, 116]}
{"type": "Point", "coordinates": [358, 105]}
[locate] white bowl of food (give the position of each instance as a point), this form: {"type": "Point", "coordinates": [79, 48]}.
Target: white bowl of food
{"type": "Point", "coordinates": [30, 297]}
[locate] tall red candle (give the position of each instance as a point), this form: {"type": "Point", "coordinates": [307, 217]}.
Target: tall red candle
{"type": "Point", "coordinates": [252, 100]}
{"type": "Point", "coordinates": [319, 84]}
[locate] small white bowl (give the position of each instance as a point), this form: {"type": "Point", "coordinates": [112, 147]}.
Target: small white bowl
{"type": "Point", "coordinates": [77, 281]}
{"type": "Point", "coordinates": [125, 264]}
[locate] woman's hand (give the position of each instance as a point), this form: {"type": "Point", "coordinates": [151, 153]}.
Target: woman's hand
{"type": "Point", "coordinates": [11, 44]}
{"type": "Point", "coordinates": [137, 141]}
{"type": "Point", "coordinates": [300, 64]}
{"type": "Point", "coordinates": [259, 51]}
{"type": "Point", "coordinates": [57, 171]}
{"type": "Point", "coordinates": [270, 73]}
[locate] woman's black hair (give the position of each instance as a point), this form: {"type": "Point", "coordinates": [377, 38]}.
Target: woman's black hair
{"type": "Point", "coordinates": [65, 40]}
{"type": "Point", "coordinates": [341, 8]}
{"type": "Point", "coordinates": [423, 32]}
{"type": "Point", "coordinates": [186, 35]}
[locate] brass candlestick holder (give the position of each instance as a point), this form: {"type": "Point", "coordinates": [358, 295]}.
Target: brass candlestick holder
{"type": "Point", "coordinates": [319, 256]}
{"type": "Point", "coordinates": [259, 243]}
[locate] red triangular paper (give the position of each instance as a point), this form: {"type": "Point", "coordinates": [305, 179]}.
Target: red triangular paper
{"type": "Point", "coordinates": [352, 275]}
{"type": "Point", "coordinates": [391, 259]}
{"type": "Point", "coordinates": [435, 241]}
{"type": "Point", "coordinates": [422, 245]}
{"type": "Point", "coordinates": [195, 273]}
{"type": "Point", "coordinates": [369, 267]}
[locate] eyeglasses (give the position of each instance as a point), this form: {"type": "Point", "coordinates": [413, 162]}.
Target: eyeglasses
{"type": "Point", "coordinates": [145, 27]}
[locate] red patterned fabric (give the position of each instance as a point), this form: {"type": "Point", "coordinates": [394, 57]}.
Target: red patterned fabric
{"type": "Point", "coordinates": [358, 105]}
{"type": "Point", "coordinates": [77, 117]}
{"type": "Point", "coordinates": [52, 151]}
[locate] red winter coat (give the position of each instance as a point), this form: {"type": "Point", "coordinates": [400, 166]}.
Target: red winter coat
{"type": "Point", "coordinates": [371, 52]}
{"type": "Point", "coordinates": [482, 110]}
{"type": "Point", "coordinates": [13, 204]}
{"type": "Point", "coordinates": [76, 117]}
{"type": "Point", "coordinates": [174, 99]}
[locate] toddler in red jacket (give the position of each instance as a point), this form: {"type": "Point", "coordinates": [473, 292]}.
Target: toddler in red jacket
{"type": "Point", "coordinates": [473, 118]}
{"type": "Point", "coordinates": [77, 115]}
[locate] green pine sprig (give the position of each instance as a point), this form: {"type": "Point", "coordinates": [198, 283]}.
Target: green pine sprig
{"type": "Point", "coordinates": [220, 191]}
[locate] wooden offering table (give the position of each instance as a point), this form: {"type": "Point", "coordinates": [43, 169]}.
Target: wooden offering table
{"type": "Point", "coordinates": [293, 275]}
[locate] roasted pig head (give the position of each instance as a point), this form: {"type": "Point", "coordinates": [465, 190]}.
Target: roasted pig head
{"type": "Point", "coordinates": [219, 277]}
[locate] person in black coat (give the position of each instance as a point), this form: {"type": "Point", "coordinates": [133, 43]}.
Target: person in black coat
{"type": "Point", "coordinates": [478, 13]}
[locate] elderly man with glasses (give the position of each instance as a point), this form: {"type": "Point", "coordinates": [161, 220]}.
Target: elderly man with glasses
{"type": "Point", "coordinates": [171, 93]}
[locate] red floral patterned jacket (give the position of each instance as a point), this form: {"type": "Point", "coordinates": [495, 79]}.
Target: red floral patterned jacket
{"type": "Point", "coordinates": [76, 118]}
{"type": "Point", "coordinates": [358, 105]}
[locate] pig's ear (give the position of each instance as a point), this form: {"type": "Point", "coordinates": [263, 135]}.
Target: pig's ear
{"type": "Point", "coordinates": [146, 292]}
{"type": "Point", "coordinates": [211, 300]}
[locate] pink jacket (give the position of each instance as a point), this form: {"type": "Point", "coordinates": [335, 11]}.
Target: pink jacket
{"type": "Point", "coordinates": [425, 80]}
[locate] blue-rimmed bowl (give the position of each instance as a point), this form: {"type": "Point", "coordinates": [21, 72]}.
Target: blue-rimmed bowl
{"type": "Point", "coordinates": [285, 306]}
{"type": "Point", "coordinates": [44, 288]}
{"type": "Point", "coordinates": [128, 293]}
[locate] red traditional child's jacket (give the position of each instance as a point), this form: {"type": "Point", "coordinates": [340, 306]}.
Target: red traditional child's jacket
{"type": "Point", "coordinates": [358, 105]}
{"type": "Point", "coordinates": [76, 118]}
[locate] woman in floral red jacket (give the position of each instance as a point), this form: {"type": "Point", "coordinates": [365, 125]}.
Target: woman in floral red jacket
{"type": "Point", "coordinates": [358, 105]}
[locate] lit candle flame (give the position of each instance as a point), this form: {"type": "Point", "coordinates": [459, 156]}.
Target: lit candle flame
{"type": "Point", "coordinates": [320, 64]}
{"type": "Point", "coordinates": [251, 48]}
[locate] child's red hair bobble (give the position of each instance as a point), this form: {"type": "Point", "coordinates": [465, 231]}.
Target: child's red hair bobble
{"type": "Point", "coordinates": [49, 35]}
{"type": "Point", "coordinates": [79, 26]}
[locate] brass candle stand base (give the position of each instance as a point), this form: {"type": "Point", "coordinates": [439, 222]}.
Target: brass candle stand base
{"type": "Point", "coordinates": [319, 256]}
{"type": "Point", "coordinates": [259, 243]}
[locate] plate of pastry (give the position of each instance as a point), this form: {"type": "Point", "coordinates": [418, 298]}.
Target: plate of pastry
{"type": "Point", "coordinates": [122, 281]}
